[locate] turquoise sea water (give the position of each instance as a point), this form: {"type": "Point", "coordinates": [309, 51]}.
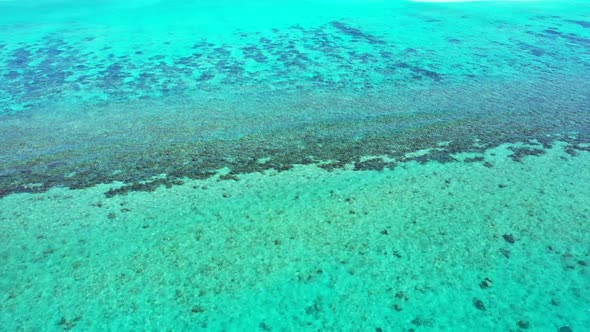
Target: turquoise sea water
{"type": "Point", "coordinates": [295, 165]}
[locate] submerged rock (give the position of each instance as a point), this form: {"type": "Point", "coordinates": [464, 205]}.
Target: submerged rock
{"type": "Point", "coordinates": [486, 283]}
{"type": "Point", "coordinates": [197, 310]}
{"type": "Point", "coordinates": [509, 238]}
{"type": "Point", "coordinates": [478, 304]}
{"type": "Point", "coordinates": [505, 252]}
{"type": "Point", "coordinates": [524, 324]}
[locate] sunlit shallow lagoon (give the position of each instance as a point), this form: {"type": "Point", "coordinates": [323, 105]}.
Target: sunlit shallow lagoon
{"type": "Point", "coordinates": [294, 165]}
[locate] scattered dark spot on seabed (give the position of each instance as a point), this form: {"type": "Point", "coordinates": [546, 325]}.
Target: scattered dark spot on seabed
{"type": "Point", "coordinates": [67, 324]}
{"type": "Point", "coordinates": [523, 324]}
{"type": "Point", "coordinates": [356, 33]}
{"type": "Point", "coordinates": [478, 304]}
{"type": "Point", "coordinates": [486, 283]}
{"type": "Point", "coordinates": [505, 252]}
{"type": "Point", "coordinates": [536, 51]}
{"type": "Point", "coordinates": [509, 238]}
{"type": "Point", "coordinates": [583, 24]}
{"type": "Point", "coordinates": [574, 39]}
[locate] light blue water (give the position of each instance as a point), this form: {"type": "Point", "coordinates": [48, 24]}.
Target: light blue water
{"type": "Point", "coordinates": [301, 165]}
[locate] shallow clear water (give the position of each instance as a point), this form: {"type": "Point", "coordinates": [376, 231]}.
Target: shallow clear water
{"type": "Point", "coordinates": [307, 165]}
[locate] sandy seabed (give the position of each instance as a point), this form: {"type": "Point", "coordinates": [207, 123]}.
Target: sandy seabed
{"type": "Point", "coordinates": [494, 245]}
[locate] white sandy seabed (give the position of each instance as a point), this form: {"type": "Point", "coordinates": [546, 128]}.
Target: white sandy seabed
{"type": "Point", "coordinates": [456, 246]}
